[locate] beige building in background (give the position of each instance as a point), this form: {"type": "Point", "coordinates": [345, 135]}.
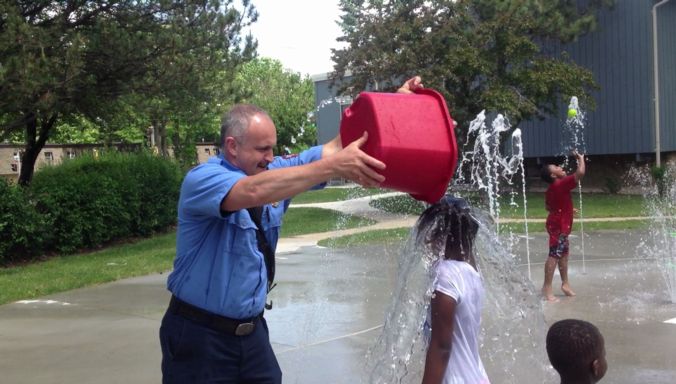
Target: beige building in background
{"type": "Point", "coordinates": [52, 154]}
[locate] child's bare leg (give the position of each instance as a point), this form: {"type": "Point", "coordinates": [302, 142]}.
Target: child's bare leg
{"type": "Point", "coordinates": [563, 271]}
{"type": "Point", "coordinates": [550, 266]}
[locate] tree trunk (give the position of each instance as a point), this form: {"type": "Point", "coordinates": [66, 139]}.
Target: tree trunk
{"type": "Point", "coordinates": [34, 144]}
{"type": "Point", "coordinates": [160, 135]}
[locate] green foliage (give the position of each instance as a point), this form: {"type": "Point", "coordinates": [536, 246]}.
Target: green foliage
{"type": "Point", "coordinates": [21, 227]}
{"type": "Point", "coordinates": [661, 180]}
{"type": "Point", "coordinates": [89, 201]}
{"type": "Point", "coordinates": [286, 96]}
{"type": "Point", "coordinates": [76, 129]}
{"type": "Point", "coordinates": [163, 60]}
{"type": "Point", "coordinates": [613, 185]}
{"type": "Point", "coordinates": [480, 54]}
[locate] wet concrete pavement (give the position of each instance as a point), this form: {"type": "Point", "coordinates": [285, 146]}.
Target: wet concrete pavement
{"type": "Point", "coordinates": [328, 309]}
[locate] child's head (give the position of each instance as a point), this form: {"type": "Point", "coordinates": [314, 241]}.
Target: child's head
{"type": "Point", "coordinates": [551, 172]}
{"type": "Point", "coordinates": [576, 350]}
{"type": "Point", "coordinates": [448, 226]}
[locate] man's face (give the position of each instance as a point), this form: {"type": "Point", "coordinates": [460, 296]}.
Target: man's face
{"type": "Point", "coordinates": [253, 151]}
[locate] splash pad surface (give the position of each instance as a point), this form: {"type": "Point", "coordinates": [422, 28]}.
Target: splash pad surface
{"type": "Point", "coordinates": [325, 327]}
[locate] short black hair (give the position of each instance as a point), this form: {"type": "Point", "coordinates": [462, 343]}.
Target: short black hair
{"type": "Point", "coordinates": [449, 219]}
{"type": "Point", "coordinates": [572, 346]}
{"type": "Point", "coordinates": [546, 174]}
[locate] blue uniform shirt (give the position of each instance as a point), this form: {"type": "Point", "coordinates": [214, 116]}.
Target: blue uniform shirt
{"type": "Point", "coordinates": [218, 266]}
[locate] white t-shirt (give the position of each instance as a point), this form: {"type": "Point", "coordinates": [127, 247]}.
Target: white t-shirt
{"type": "Point", "coordinates": [460, 281]}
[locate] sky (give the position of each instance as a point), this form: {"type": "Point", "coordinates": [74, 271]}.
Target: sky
{"type": "Point", "coordinates": [298, 33]}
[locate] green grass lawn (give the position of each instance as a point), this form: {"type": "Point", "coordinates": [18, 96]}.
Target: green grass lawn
{"type": "Point", "coordinates": [63, 273]}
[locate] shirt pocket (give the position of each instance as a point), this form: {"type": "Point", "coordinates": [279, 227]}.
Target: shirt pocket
{"type": "Point", "coordinates": [243, 247]}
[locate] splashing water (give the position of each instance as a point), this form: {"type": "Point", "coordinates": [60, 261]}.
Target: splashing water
{"type": "Point", "coordinates": [660, 244]}
{"type": "Point", "coordinates": [488, 167]}
{"type": "Point", "coordinates": [573, 141]}
{"type": "Point", "coordinates": [513, 327]}
{"type": "Point", "coordinates": [517, 146]}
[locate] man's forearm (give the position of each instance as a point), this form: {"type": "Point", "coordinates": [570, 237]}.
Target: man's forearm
{"type": "Point", "coordinates": [277, 184]}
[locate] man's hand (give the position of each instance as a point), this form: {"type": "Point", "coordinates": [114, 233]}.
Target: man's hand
{"type": "Point", "coordinates": [354, 164]}
{"type": "Point", "coordinates": [411, 85]}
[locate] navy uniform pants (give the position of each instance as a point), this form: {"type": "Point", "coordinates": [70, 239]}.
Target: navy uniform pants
{"type": "Point", "coordinates": [192, 353]}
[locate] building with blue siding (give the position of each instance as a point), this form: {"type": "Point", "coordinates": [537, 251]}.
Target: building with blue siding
{"type": "Point", "coordinates": [623, 129]}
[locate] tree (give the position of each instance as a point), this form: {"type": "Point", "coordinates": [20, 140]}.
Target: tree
{"type": "Point", "coordinates": [286, 96]}
{"type": "Point", "coordinates": [62, 58]}
{"type": "Point", "coordinates": [497, 55]}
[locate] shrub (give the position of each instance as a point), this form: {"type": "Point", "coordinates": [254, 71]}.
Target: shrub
{"type": "Point", "coordinates": [613, 185]}
{"type": "Point", "coordinates": [21, 227]}
{"type": "Point", "coordinates": [89, 201]}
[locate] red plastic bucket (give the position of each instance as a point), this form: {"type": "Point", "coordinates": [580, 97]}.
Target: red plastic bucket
{"type": "Point", "coordinates": [413, 134]}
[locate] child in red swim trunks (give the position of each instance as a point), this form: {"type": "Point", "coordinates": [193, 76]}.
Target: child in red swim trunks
{"type": "Point", "coordinates": [559, 204]}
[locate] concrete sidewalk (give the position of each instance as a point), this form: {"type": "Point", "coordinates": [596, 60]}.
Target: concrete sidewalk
{"type": "Point", "coordinates": [329, 307]}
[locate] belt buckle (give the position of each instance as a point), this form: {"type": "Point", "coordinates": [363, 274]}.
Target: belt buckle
{"type": "Point", "coordinates": [244, 329]}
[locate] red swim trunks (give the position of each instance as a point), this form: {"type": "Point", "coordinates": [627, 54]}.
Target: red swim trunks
{"type": "Point", "coordinates": [558, 238]}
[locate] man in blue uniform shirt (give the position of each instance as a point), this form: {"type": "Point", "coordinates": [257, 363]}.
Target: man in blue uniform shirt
{"type": "Point", "coordinates": [228, 227]}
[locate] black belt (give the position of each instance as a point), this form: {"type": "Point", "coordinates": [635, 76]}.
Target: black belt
{"type": "Point", "coordinates": [216, 322]}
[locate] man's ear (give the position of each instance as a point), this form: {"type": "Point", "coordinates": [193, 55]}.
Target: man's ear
{"type": "Point", "coordinates": [231, 146]}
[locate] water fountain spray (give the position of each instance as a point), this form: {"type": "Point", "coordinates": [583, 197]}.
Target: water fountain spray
{"type": "Point", "coordinates": [488, 167]}
{"type": "Point", "coordinates": [573, 141]}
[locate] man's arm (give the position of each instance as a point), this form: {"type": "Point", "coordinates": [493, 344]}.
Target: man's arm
{"type": "Point", "coordinates": [441, 342]}
{"type": "Point", "coordinates": [335, 145]}
{"type": "Point", "coordinates": [581, 168]}
{"type": "Point", "coordinates": [278, 184]}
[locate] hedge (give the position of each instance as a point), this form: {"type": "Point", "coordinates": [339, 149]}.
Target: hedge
{"type": "Point", "coordinates": [87, 202]}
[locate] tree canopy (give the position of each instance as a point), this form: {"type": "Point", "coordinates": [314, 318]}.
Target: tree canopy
{"type": "Point", "coordinates": [59, 59]}
{"type": "Point", "coordinates": [286, 96]}
{"type": "Point", "coordinates": [496, 55]}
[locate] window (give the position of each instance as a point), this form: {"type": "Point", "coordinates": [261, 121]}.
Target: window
{"type": "Point", "coordinates": [49, 157]}
{"type": "Point", "coordinates": [70, 154]}
{"type": "Point", "coordinates": [15, 167]}
{"type": "Point", "coordinates": [208, 151]}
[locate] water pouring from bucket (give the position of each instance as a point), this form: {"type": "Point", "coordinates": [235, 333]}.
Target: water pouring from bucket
{"type": "Point", "coordinates": [512, 321]}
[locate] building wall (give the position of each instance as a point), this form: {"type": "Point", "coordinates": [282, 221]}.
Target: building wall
{"type": "Point", "coordinates": [666, 24]}
{"type": "Point", "coordinates": [205, 151]}
{"type": "Point", "coordinates": [620, 55]}
{"type": "Point", "coordinates": [329, 109]}
{"type": "Point", "coordinates": [51, 154]}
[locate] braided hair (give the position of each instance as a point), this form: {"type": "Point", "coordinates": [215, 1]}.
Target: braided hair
{"type": "Point", "coordinates": [449, 219]}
